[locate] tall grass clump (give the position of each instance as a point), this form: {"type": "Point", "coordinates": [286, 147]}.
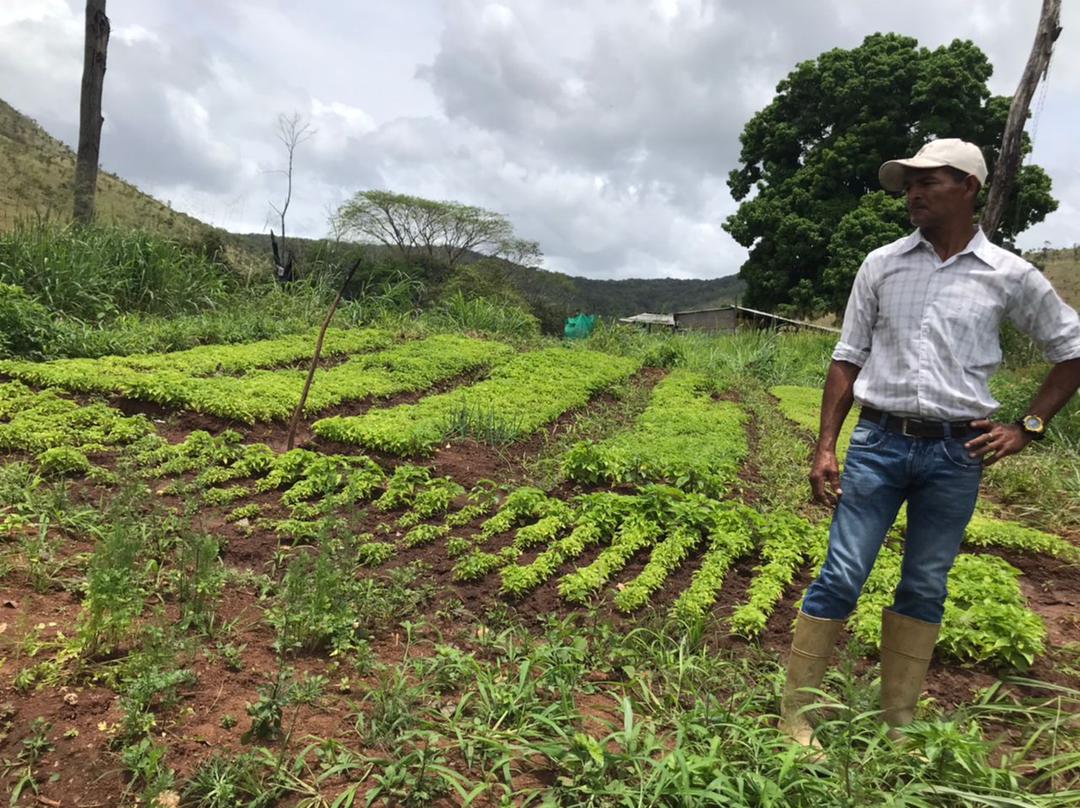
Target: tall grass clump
{"type": "Point", "coordinates": [770, 356]}
{"type": "Point", "coordinates": [256, 311]}
{"type": "Point", "coordinates": [460, 313]}
{"type": "Point", "coordinates": [98, 272]}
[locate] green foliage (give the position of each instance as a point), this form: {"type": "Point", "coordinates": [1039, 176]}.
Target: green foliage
{"type": "Point", "coordinates": [525, 393]}
{"type": "Point", "coordinates": [36, 422]}
{"type": "Point", "coordinates": [25, 325]}
{"type": "Point", "coordinates": [479, 563]}
{"type": "Point", "coordinates": [224, 781]}
{"type": "Point", "coordinates": [803, 406]}
{"type": "Point", "coordinates": [788, 542]}
{"type": "Point", "coordinates": [375, 553]}
{"type": "Point", "coordinates": [98, 272]}
{"type": "Point", "coordinates": [636, 533]}
{"type": "Point", "coordinates": [257, 312]}
{"type": "Point", "coordinates": [810, 156]}
{"type": "Point", "coordinates": [684, 438]}
{"type": "Point", "coordinates": [424, 534]}
{"type": "Point", "coordinates": [63, 461]}
{"type": "Point", "coordinates": [731, 536]}
{"type": "Point", "coordinates": [665, 559]}
{"type": "Point", "coordinates": [116, 584]}
{"type": "Point", "coordinates": [983, 531]}
{"type": "Point", "coordinates": [986, 618]}
{"type": "Point", "coordinates": [877, 219]}
{"type": "Point", "coordinates": [232, 381]}
{"type": "Point", "coordinates": [457, 312]}
{"type": "Point", "coordinates": [402, 487]}
{"type": "Point", "coordinates": [442, 231]}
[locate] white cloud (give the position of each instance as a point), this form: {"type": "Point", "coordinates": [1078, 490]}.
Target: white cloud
{"type": "Point", "coordinates": [605, 129]}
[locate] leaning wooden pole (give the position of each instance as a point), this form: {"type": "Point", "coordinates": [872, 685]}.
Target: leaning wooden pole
{"type": "Point", "coordinates": [1008, 162]}
{"type": "Point", "coordinates": [95, 48]}
{"type": "Point", "coordinates": [299, 411]}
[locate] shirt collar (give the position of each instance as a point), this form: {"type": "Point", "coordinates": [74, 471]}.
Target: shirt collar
{"type": "Point", "coordinates": [979, 246]}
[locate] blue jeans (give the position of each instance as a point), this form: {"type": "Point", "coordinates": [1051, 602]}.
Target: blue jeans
{"type": "Point", "coordinates": [940, 483]}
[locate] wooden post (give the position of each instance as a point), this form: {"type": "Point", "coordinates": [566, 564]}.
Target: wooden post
{"type": "Point", "coordinates": [86, 164]}
{"type": "Point", "coordinates": [295, 421]}
{"type": "Point", "coordinates": [1008, 162]}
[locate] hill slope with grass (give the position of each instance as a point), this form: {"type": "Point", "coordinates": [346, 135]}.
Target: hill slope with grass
{"type": "Point", "coordinates": [36, 172]}
{"type": "Point", "coordinates": [1062, 267]}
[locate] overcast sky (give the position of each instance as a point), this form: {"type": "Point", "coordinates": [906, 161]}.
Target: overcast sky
{"type": "Point", "coordinates": [605, 129]}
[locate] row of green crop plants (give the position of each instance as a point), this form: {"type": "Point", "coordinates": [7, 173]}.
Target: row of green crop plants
{"type": "Point", "coordinates": [670, 523]}
{"type": "Point", "coordinates": [528, 391]}
{"type": "Point", "coordinates": [230, 381]}
{"type": "Point", "coordinates": [684, 436]}
{"type": "Point", "coordinates": [546, 536]}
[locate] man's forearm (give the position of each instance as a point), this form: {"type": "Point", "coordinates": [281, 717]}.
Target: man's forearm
{"type": "Point", "coordinates": [1057, 388]}
{"type": "Point", "coordinates": [836, 402]}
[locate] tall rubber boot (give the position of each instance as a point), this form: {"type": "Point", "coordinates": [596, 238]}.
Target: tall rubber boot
{"type": "Point", "coordinates": [811, 649]}
{"type": "Point", "coordinates": [907, 644]}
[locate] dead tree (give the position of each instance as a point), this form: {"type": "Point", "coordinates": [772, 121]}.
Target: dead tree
{"type": "Point", "coordinates": [283, 261]}
{"type": "Point", "coordinates": [292, 131]}
{"type": "Point", "coordinates": [86, 163]}
{"type": "Point", "coordinates": [1008, 162]}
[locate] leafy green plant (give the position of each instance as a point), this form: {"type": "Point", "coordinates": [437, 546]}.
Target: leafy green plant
{"type": "Point", "coordinates": [528, 391]}
{"type": "Point", "coordinates": [636, 533]}
{"type": "Point", "coordinates": [684, 437]}
{"type": "Point", "coordinates": [730, 537]}
{"type": "Point", "coordinates": [788, 542]}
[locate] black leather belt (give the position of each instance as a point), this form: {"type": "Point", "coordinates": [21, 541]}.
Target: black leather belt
{"type": "Point", "coordinates": [917, 427]}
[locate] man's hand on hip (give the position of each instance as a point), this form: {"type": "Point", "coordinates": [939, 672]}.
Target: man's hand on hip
{"type": "Point", "coordinates": [1000, 440]}
{"type": "Point", "coordinates": [825, 477]}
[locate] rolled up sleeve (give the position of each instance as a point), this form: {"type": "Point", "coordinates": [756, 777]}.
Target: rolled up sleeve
{"type": "Point", "coordinates": [1039, 312]}
{"type": "Point", "coordinates": [857, 333]}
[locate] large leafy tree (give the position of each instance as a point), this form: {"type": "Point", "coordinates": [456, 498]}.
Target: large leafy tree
{"type": "Point", "coordinates": [445, 232]}
{"type": "Point", "coordinates": [811, 204]}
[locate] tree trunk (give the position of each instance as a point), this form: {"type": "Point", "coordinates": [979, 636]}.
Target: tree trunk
{"type": "Point", "coordinates": [1008, 162]}
{"type": "Point", "coordinates": [90, 120]}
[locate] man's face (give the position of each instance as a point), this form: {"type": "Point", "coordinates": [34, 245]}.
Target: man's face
{"type": "Point", "coordinates": [935, 196]}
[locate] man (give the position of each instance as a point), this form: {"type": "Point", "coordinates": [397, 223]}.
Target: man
{"type": "Point", "coordinates": [918, 346]}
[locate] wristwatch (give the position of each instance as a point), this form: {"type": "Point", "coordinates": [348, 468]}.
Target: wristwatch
{"type": "Point", "coordinates": [1033, 426]}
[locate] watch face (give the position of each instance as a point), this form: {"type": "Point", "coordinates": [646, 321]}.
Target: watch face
{"type": "Point", "coordinates": [1033, 423]}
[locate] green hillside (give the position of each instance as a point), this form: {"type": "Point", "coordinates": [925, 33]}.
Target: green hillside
{"type": "Point", "coordinates": [545, 291]}
{"type": "Point", "coordinates": [36, 171]}
{"type": "Point", "coordinates": [1062, 267]}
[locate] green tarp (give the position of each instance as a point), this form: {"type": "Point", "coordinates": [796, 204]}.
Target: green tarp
{"type": "Point", "coordinates": [579, 326]}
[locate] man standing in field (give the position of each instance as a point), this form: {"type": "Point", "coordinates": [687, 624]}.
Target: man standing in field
{"type": "Point", "coordinates": [919, 343]}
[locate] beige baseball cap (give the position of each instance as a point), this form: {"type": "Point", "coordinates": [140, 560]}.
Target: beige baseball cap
{"type": "Point", "coordinates": [948, 151]}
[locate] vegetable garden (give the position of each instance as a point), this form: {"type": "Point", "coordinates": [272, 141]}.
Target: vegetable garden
{"type": "Point", "coordinates": [491, 574]}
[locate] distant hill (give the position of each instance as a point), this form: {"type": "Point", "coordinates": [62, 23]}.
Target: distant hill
{"type": "Point", "coordinates": [552, 292]}
{"type": "Point", "coordinates": [36, 172]}
{"type": "Point", "coordinates": [621, 298]}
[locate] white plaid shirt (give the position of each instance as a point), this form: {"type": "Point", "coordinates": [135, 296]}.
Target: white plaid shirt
{"type": "Point", "coordinates": [926, 332]}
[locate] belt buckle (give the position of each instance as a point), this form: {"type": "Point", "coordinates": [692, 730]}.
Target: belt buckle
{"type": "Point", "coordinates": [903, 428]}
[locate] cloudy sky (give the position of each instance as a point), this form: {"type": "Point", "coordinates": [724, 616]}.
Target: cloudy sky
{"type": "Point", "coordinates": [604, 129]}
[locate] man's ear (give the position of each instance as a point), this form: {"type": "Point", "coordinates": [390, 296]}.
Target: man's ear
{"type": "Point", "coordinates": [971, 187]}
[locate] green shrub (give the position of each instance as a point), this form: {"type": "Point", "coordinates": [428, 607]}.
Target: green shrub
{"type": "Point", "coordinates": [25, 325]}
{"type": "Point", "coordinates": [63, 461]}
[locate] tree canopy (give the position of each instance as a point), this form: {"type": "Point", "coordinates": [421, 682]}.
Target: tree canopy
{"type": "Point", "coordinates": [441, 231]}
{"type": "Point", "coordinates": [811, 206]}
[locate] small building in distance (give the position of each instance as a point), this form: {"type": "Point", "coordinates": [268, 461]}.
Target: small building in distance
{"type": "Point", "coordinates": [722, 319]}
{"type": "Point", "coordinates": [649, 321]}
